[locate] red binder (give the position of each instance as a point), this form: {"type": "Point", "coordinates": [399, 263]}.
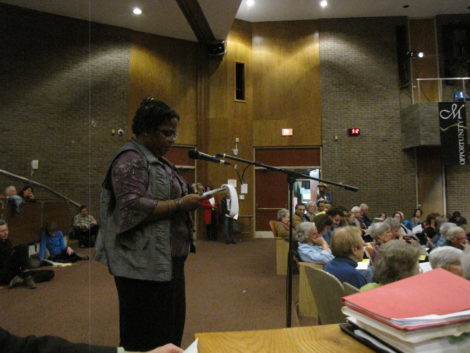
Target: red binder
{"type": "Point", "coordinates": [436, 292]}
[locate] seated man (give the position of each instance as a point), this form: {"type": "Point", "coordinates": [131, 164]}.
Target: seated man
{"type": "Point", "coordinates": [448, 258]}
{"type": "Point", "coordinates": [85, 228]}
{"type": "Point", "coordinates": [299, 215]}
{"type": "Point", "coordinates": [312, 247]}
{"type": "Point", "coordinates": [13, 198]}
{"type": "Point", "coordinates": [456, 237]}
{"type": "Point", "coordinates": [395, 260]}
{"type": "Point", "coordinates": [14, 261]}
{"type": "Point", "coordinates": [348, 248]}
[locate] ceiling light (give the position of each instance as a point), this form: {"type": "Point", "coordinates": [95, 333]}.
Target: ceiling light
{"type": "Point", "coordinates": [415, 54]}
{"type": "Point", "coordinates": [323, 3]}
{"type": "Point", "coordinates": [137, 11]}
{"type": "Point", "coordinates": [250, 3]}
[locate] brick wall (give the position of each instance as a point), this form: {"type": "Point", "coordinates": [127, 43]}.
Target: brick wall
{"type": "Point", "coordinates": [458, 189]}
{"type": "Point", "coordinates": [64, 87]}
{"type": "Point", "coordinates": [359, 84]}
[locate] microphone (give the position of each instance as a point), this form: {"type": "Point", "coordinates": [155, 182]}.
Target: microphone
{"type": "Point", "coordinates": [195, 154]}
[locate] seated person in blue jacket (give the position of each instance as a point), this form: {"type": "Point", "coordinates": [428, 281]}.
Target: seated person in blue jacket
{"type": "Point", "coordinates": [312, 247]}
{"type": "Point", "coordinates": [52, 239]}
{"type": "Point", "coordinates": [15, 200]}
{"type": "Point", "coordinates": [348, 248]}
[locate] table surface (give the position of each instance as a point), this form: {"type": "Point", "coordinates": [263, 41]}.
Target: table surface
{"type": "Point", "coordinates": [310, 339]}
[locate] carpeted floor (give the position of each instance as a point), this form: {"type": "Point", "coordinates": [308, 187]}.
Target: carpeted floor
{"type": "Point", "coordinates": [229, 287]}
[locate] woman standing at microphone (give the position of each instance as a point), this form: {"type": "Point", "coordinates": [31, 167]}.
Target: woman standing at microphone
{"type": "Point", "coordinates": [146, 231]}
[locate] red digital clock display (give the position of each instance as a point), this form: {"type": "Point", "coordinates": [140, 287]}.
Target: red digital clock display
{"type": "Point", "coordinates": [354, 131]}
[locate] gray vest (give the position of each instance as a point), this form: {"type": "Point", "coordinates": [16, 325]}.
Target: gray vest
{"type": "Point", "coordinates": [143, 252]}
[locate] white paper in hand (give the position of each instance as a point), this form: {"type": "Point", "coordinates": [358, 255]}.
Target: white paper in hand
{"type": "Point", "coordinates": [192, 347]}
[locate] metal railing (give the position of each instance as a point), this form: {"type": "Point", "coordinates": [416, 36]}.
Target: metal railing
{"type": "Point", "coordinates": [32, 182]}
{"type": "Point", "coordinates": [445, 93]}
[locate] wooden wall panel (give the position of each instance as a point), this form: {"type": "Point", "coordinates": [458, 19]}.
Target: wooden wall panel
{"type": "Point", "coordinates": [423, 38]}
{"type": "Point", "coordinates": [165, 69]}
{"type": "Point", "coordinates": [286, 82]}
{"type": "Point", "coordinates": [430, 180]}
{"type": "Point", "coordinates": [306, 132]}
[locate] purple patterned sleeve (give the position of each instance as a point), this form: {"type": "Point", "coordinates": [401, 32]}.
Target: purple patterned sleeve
{"type": "Point", "coordinates": [129, 177]}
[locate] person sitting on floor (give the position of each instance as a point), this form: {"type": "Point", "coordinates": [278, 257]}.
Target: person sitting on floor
{"type": "Point", "coordinates": [52, 239]}
{"type": "Point", "coordinates": [14, 261]}
{"type": "Point", "coordinates": [283, 224]}
{"type": "Point", "coordinates": [448, 258]}
{"type": "Point", "coordinates": [395, 260]}
{"type": "Point", "coordinates": [348, 248]}
{"type": "Point", "coordinates": [15, 200]}
{"type": "Point", "coordinates": [85, 228]}
{"type": "Point", "coordinates": [312, 247]}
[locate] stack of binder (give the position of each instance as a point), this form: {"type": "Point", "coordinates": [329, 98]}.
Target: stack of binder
{"type": "Point", "coordinates": [429, 312]}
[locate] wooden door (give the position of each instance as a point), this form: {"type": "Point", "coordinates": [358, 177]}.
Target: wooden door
{"type": "Point", "coordinates": [271, 192]}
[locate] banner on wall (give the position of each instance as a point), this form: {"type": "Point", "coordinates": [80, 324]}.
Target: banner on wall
{"type": "Point", "coordinates": [453, 126]}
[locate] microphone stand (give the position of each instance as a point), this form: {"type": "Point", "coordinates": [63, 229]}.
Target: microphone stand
{"type": "Point", "coordinates": [292, 176]}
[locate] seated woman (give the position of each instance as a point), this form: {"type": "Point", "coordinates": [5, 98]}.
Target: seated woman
{"type": "Point", "coordinates": [52, 239]}
{"type": "Point", "coordinates": [312, 247]}
{"type": "Point", "coordinates": [15, 200]}
{"type": "Point", "coordinates": [85, 228]}
{"type": "Point", "coordinates": [448, 258]}
{"type": "Point", "coordinates": [283, 223]}
{"type": "Point", "coordinates": [348, 248]}
{"type": "Point", "coordinates": [27, 194]}
{"type": "Point", "coordinates": [395, 260]}
{"type": "Point", "coordinates": [405, 225]}
{"type": "Point", "coordinates": [380, 233]}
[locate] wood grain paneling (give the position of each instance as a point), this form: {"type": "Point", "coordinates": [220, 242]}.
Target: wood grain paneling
{"type": "Point", "coordinates": [286, 82]}
{"type": "Point", "coordinates": [166, 69]}
{"type": "Point", "coordinates": [423, 38]}
{"type": "Point", "coordinates": [430, 180]}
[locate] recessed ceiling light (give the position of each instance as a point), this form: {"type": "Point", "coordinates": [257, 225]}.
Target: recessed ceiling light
{"type": "Point", "coordinates": [323, 3]}
{"type": "Point", "coordinates": [137, 11]}
{"type": "Point", "coordinates": [250, 3]}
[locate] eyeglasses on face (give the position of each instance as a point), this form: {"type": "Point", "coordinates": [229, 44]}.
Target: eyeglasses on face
{"type": "Point", "coordinates": [168, 133]}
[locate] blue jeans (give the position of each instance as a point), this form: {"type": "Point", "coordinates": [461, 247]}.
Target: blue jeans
{"type": "Point", "coordinates": [229, 230]}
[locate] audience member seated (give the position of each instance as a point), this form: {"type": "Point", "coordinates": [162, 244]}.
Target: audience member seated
{"type": "Point", "coordinates": [365, 214]}
{"type": "Point", "coordinates": [52, 239]}
{"type": "Point", "coordinates": [299, 215]}
{"type": "Point", "coordinates": [27, 194]}
{"type": "Point", "coordinates": [458, 219]}
{"type": "Point", "coordinates": [312, 247]}
{"type": "Point", "coordinates": [465, 262]}
{"type": "Point", "coordinates": [311, 211]}
{"type": "Point", "coordinates": [395, 260]}
{"type": "Point", "coordinates": [417, 218]}
{"type": "Point", "coordinates": [448, 258]}
{"type": "Point", "coordinates": [356, 212]}
{"type": "Point", "coordinates": [15, 200]}
{"type": "Point", "coordinates": [282, 226]}
{"type": "Point", "coordinates": [85, 228]}
{"type": "Point", "coordinates": [398, 233]}
{"type": "Point", "coordinates": [431, 229]}
{"type": "Point", "coordinates": [323, 223]}
{"type": "Point", "coordinates": [405, 226]}
{"type": "Point", "coordinates": [14, 261]}
{"type": "Point", "coordinates": [348, 248]}
{"type": "Point", "coordinates": [456, 237]}
{"type": "Point", "coordinates": [380, 233]}
{"type": "Point", "coordinates": [321, 207]}
{"type": "Point", "coordinates": [336, 215]}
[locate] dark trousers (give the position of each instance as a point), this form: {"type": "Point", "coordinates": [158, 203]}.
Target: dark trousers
{"type": "Point", "coordinates": [86, 237]}
{"type": "Point", "coordinates": [17, 263]}
{"type": "Point", "coordinates": [63, 257]}
{"type": "Point", "coordinates": [152, 313]}
{"type": "Point", "coordinates": [229, 229]}
{"type": "Point", "coordinates": [211, 231]}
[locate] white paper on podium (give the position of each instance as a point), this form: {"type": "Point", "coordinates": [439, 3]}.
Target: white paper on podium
{"type": "Point", "coordinates": [192, 347]}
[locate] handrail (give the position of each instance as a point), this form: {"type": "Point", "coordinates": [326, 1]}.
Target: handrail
{"type": "Point", "coordinates": [40, 185]}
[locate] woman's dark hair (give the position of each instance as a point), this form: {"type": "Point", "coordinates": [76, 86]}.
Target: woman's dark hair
{"type": "Point", "coordinates": [420, 211]}
{"type": "Point", "coordinates": [26, 187]}
{"type": "Point", "coordinates": [51, 227]}
{"type": "Point", "coordinates": [82, 207]}
{"type": "Point", "coordinates": [150, 115]}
